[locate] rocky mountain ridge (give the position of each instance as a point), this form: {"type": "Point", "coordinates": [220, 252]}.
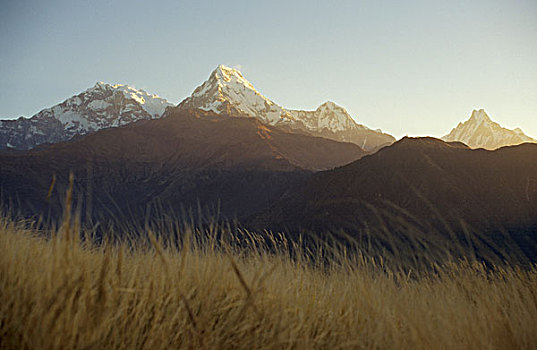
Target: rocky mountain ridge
{"type": "Point", "coordinates": [186, 158]}
{"type": "Point", "coordinates": [480, 131]}
{"type": "Point", "coordinates": [99, 107]}
{"type": "Point", "coordinates": [227, 91]}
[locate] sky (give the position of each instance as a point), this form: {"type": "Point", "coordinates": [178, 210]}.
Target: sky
{"type": "Point", "coordinates": [407, 67]}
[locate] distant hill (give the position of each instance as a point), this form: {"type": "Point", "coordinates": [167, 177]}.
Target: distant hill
{"type": "Point", "coordinates": [185, 158]}
{"type": "Point", "coordinates": [418, 181]}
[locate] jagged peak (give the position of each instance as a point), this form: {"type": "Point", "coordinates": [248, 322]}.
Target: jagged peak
{"type": "Point", "coordinates": [225, 75]}
{"type": "Point", "coordinates": [329, 103]}
{"type": "Point", "coordinates": [127, 90]}
{"type": "Point", "coordinates": [99, 85]}
{"type": "Point", "coordinates": [227, 88]}
{"type": "Point", "coordinates": [480, 131]}
{"type": "Point", "coordinates": [332, 106]}
{"type": "Point", "coordinates": [98, 97]}
{"type": "Point", "coordinates": [480, 116]}
{"type": "Point", "coordinates": [225, 70]}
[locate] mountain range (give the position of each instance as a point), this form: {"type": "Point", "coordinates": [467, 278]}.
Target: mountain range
{"type": "Point", "coordinates": [268, 178]}
{"type": "Point", "coordinates": [417, 181]}
{"type": "Point", "coordinates": [99, 107]}
{"type": "Point", "coordinates": [230, 150]}
{"type": "Point", "coordinates": [481, 132]}
{"type": "Point", "coordinates": [226, 91]}
{"type": "Point", "coordinates": [186, 158]}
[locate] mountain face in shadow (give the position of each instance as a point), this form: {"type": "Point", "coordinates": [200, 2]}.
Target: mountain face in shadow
{"type": "Point", "coordinates": [186, 158]}
{"type": "Point", "coordinates": [417, 181]}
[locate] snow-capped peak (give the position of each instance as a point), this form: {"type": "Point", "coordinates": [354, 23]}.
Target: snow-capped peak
{"type": "Point", "coordinates": [479, 131]}
{"type": "Point", "coordinates": [231, 75]}
{"type": "Point", "coordinates": [331, 106]}
{"type": "Point", "coordinates": [345, 120]}
{"type": "Point", "coordinates": [227, 89]}
{"type": "Point", "coordinates": [480, 116]}
{"type": "Point", "coordinates": [151, 103]}
{"type": "Point", "coordinates": [327, 116]}
{"type": "Point", "coordinates": [100, 106]}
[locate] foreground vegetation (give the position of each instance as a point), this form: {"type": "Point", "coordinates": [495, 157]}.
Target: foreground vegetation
{"type": "Point", "coordinates": [61, 293]}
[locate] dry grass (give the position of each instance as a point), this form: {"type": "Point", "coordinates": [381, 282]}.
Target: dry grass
{"type": "Point", "coordinates": [57, 293]}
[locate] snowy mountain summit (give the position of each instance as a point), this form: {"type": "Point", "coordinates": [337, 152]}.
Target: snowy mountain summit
{"type": "Point", "coordinates": [334, 122]}
{"type": "Point", "coordinates": [227, 91]}
{"type": "Point", "coordinates": [479, 131]}
{"type": "Point", "coordinates": [101, 106]}
{"type": "Point", "coordinates": [328, 116]}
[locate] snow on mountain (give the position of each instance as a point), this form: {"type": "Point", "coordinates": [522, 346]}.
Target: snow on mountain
{"type": "Point", "coordinates": [481, 132]}
{"type": "Point", "coordinates": [151, 103]}
{"type": "Point", "coordinates": [334, 122]}
{"type": "Point", "coordinates": [327, 116]}
{"type": "Point", "coordinates": [227, 90]}
{"type": "Point", "coordinates": [101, 106]}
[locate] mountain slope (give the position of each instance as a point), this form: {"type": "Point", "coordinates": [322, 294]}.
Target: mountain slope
{"type": "Point", "coordinates": [481, 132]}
{"type": "Point", "coordinates": [427, 180]}
{"type": "Point", "coordinates": [101, 106]}
{"type": "Point", "coordinates": [334, 122]}
{"type": "Point", "coordinates": [227, 91]}
{"type": "Point", "coordinates": [187, 156]}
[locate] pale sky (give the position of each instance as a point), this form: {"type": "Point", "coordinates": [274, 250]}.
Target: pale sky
{"type": "Point", "coordinates": [407, 67]}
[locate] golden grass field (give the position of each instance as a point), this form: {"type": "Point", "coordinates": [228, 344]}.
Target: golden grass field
{"type": "Point", "coordinates": [59, 293]}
